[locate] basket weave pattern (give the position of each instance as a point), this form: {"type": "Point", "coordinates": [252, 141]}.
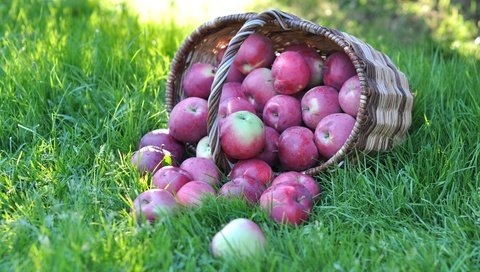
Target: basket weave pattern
{"type": "Point", "coordinates": [386, 102]}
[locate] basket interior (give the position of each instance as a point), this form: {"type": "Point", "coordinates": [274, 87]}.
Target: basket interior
{"type": "Point", "coordinates": [212, 42]}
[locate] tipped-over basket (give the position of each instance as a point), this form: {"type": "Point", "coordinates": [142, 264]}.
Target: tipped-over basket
{"type": "Point", "coordinates": [386, 102]}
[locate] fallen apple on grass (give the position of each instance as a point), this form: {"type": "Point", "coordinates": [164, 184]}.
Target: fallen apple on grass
{"type": "Point", "coordinates": [239, 238]}
{"type": "Point", "coordinates": [287, 203]}
{"type": "Point", "coordinates": [171, 178]}
{"type": "Point", "coordinates": [293, 177]}
{"type": "Point", "coordinates": [202, 169]}
{"type": "Point", "coordinates": [192, 193]}
{"type": "Point", "coordinates": [253, 168]}
{"type": "Point", "coordinates": [244, 187]}
{"type": "Point", "coordinates": [150, 159]}
{"type": "Point", "coordinates": [153, 204]}
{"type": "Point", "coordinates": [162, 138]}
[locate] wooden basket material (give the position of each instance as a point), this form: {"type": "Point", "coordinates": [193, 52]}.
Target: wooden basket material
{"type": "Point", "coordinates": [386, 102]}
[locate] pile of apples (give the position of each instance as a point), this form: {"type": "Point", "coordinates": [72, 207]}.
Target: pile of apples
{"type": "Point", "coordinates": [280, 112]}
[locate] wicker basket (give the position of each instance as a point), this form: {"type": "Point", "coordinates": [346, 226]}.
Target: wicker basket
{"type": "Point", "coordinates": [385, 104]}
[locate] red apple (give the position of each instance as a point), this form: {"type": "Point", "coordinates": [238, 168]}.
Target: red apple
{"type": "Point", "coordinates": [258, 88]}
{"type": "Point", "coordinates": [282, 112]}
{"type": "Point", "coordinates": [349, 96]}
{"type": "Point", "coordinates": [290, 73]}
{"type": "Point", "coordinates": [332, 132]}
{"type": "Point", "coordinates": [313, 60]}
{"type": "Point", "coordinates": [150, 159]}
{"type": "Point", "coordinates": [192, 193]}
{"type": "Point", "coordinates": [161, 137]}
{"type": "Point", "coordinates": [287, 203]}
{"type": "Point", "coordinates": [231, 89]}
{"type": "Point", "coordinates": [198, 80]}
{"type": "Point", "coordinates": [337, 69]}
{"type": "Point", "coordinates": [317, 103]}
{"type": "Point", "coordinates": [253, 168]}
{"type": "Point", "coordinates": [170, 178]}
{"type": "Point", "coordinates": [298, 178]}
{"type": "Point", "coordinates": [240, 237]}
{"type": "Point", "coordinates": [153, 204]}
{"type": "Point", "coordinates": [255, 52]}
{"type": "Point", "coordinates": [244, 186]}
{"type": "Point", "coordinates": [296, 149]}
{"type": "Point", "coordinates": [269, 153]}
{"type": "Point", "coordinates": [188, 120]}
{"type": "Point", "coordinates": [242, 135]}
{"type": "Point", "coordinates": [203, 149]}
{"type": "Point", "coordinates": [202, 169]}
{"type": "Point", "coordinates": [231, 105]}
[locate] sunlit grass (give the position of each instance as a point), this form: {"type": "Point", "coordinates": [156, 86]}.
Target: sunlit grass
{"type": "Point", "coordinates": [81, 81]}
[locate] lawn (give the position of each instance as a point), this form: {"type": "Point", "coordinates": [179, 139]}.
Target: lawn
{"type": "Point", "coordinates": [81, 82]}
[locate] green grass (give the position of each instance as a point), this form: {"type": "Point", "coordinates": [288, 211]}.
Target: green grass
{"type": "Point", "coordinates": [80, 84]}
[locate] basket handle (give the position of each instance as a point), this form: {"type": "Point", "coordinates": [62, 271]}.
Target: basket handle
{"type": "Point", "coordinates": [249, 27]}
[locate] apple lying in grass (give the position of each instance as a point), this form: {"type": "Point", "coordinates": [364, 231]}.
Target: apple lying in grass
{"type": "Point", "coordinates": [188, 120]}
{"type": "Point", "coordinates": [231, 105]}
{"type": "Point", "coordinates": [202, 169]}
{"type": "Point", "coordinates": [337, 69]}
{"type": "Point", "coordinates": [313, 60]}
{"type": "Point", "coordinates": [349, 96]}
{"type": "Point", "coordinates": [298, 178]}
{"type": "Point", "coordinates": [258, 88]}
{"type": "Point", "coordinates": [242, 135]}
{"type": "Point", "coordinates": [198, 80]}
{"type": "Point", "coordinates": [332, 132]}
{"type": "Point", "coordinates": [239, 238]}
{"type": "Point", "coordinates": [296, 149]}
{"type": "Point", "coordinates": [244, 186]}
{"type": "Point", "coordinates": [290, 73]}
{"type": "Point", "coordinates": [282, 112]}
{"type": "Point", "coordinates": [153, 204]}
{"type": "Point", "coordinates": [192, 193]}
{"type": "Point", "coordinates": [317, 103]}
{"type": "Point", "coordinates": [287, 203]}
{"type": "Point", "coordinates": [150, 159]}
{"type": "Point", "coordinates": [269, 153]}
{"type": "Point", "coordinates": [162, 138]}
{"type": "Point", "coordinates": [253, 168]}
{"type": "Point", "coordinates": [255, 52]}
{"type": "Point", "coordinates": [231, 89]}
{"type": "Point", "coordinates": [171, 178]}
{"type": "Point", "coordinates": [203, 149]}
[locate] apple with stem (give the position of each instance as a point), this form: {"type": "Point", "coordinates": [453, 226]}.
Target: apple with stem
{"type": "Point", "coordinates": [317, 103]}
{"type": "Point", "coordinates": [332, 132]}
